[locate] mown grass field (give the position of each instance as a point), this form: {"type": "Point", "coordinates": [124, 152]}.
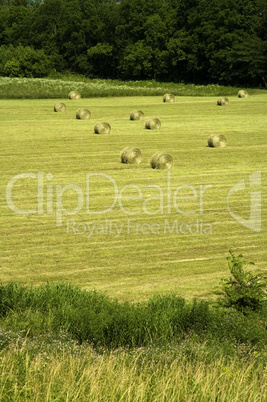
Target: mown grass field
{"type": "Point", "coordinates": [58, 344]}
{"type": "Point", "coordinates": [166, 244]}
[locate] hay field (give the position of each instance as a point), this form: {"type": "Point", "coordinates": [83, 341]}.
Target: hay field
{"type": "Point", "coordinates": [77, 214]}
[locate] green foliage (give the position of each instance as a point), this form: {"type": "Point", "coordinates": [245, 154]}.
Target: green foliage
{"type": "Point", "coordinates": [59, 85]}
{"type": "Point", "coordinates": [89, 316]}
{"type": "Point", "coordinates": [23, 62]}
{"type": "Point", "coordinates": [137, 61]}
{"type": "Point", "coordinates": [12, 68]}
{"type": "Point", "coordinates": [244, 290]}
{"type": "Point", "coordinates": [191, 41]}
{"type": "Point", "coordinates": [100, 59]}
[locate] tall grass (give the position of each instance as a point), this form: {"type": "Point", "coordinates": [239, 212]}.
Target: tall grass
{"type": "Point", "coordinates": [89, 316]}
{"type": "Point", "coordinates": [40, 88]}
{"type": "Point", "coordinates": [184, 373]}
{"type": "Point", "coordinates": [61, 343]}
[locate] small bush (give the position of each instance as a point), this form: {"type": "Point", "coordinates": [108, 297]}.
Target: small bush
{"type": "Point", "coordinates": [244, 290]}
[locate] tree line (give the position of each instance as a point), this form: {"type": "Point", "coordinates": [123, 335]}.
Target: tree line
{"type": "Point", "coordinates": [198, 41]}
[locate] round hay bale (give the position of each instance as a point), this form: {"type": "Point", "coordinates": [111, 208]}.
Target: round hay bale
{"type": "Point", "coordinates": [242, 93]}
{"type": "Point", "coordinates": [74, 95]}
{"type": "Point", "coordinates": [217, 141]}
{"type": "Point", "coordinates": [60, 107]}
{"type": "Point", "coordinates": [83, 114]}
{"type": "Point", "coordinates": [161, 160]}
{"type": "Point", "coordinates": [102, 128]}
{"type": "Point", "coordinates": [153, 124]}
{"type": "Point", "coordinates": [223, 101]}
{"type": "Point", "coordinates": [131, 155]}
{"type": "Point", "coordinates": [168, 98]}
{"type": "Point", "coordinates": [136, 115]}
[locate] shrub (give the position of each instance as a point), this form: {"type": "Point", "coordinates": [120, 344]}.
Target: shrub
{"type": "Point", "coordinates": [244, 290]}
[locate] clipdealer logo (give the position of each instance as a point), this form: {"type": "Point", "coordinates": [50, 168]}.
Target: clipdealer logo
{"type": "Point", "coordinates": [135, 227]}
{"type": "Point", "coordinates": [186, 200]}
{"type": "Point", "coordinates": [254, 221]}
{"type": "Point", "coordinates": [50, 197]}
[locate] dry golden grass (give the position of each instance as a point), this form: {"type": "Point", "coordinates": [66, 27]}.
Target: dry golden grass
{"type": "Point", "coordinates": [120, 375]}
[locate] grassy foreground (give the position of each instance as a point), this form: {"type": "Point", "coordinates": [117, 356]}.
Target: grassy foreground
{"type": "Point", "coordinates": [82, 374]}
{"type": "Point", "coordinates": [58, 342]}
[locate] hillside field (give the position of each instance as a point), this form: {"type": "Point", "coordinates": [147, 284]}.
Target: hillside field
{"type": "Point", "coordinates": [72, 212]}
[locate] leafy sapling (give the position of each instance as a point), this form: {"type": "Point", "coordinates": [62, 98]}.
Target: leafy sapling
{"type": "Point", "coordinates": [244, 291]}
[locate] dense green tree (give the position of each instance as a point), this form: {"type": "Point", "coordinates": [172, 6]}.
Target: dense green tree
{"type": "Point", "coordinates": [4, 15]}
{"type": "Point", "coordinates": [23, 62]}
{"type": "Point", "coordinates": [100, 58]}
{"type": "Point", "coordinates": [16, 25]}
{"type": "Point", "coordinates": [101, 39]}
{"type": "Point", "coordinates": [249, 61]}
{"type": "Point", "coordinates": [44, 31]}
{"type": "Point", "coordinates": [182, 57]}
{"type": "Point", "coordinates": [135, 14]}
{"type": "Point", "coordinates": [221, 28]}
{"type": "Point", "coordinates": [70, 36]}
{"type": "Point", "coordinates": [261, 30]}
{"type": "Point", "coordinates": [201, 41]}
{"type": "Point", "coordinates": [138, 61]}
